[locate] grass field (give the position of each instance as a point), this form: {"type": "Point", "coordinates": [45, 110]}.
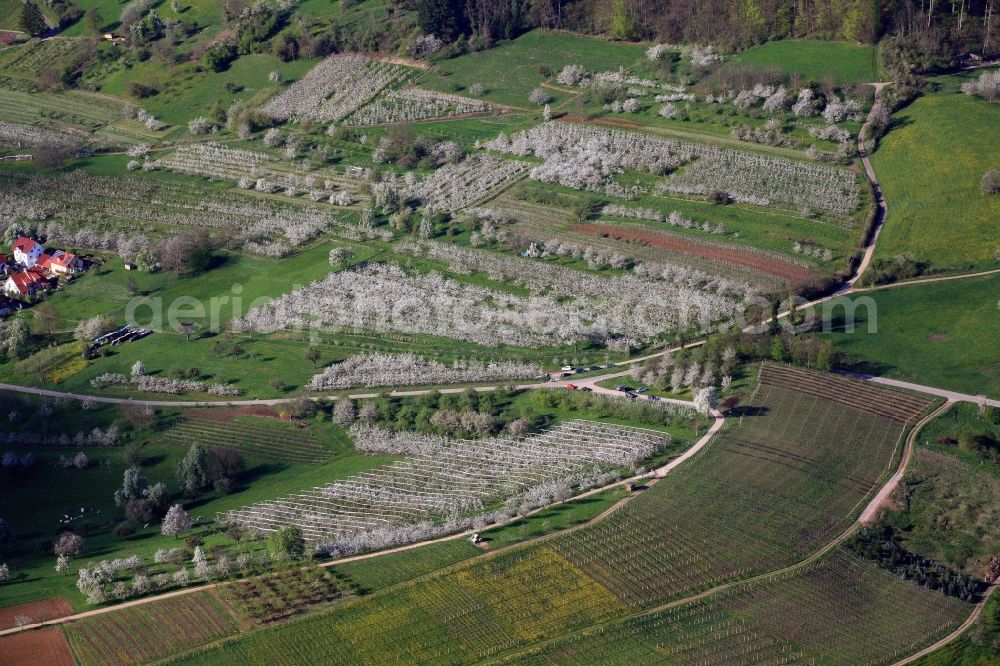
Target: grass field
{"type": "Point", "coordinates": [929, 165]}
{"type": "Point", "coordinates": [944, 433]}
{"type": "Point", "coordinates": [951, 509]}
{"type": "Point", "coordinates": [945, 335]}
{"type": "Point", "coordinates": [188, 93]}
{"type": "Point", "coordinates": [92, 488]}
{"type": "Point", "coordinates": [845, 62]}
{"type": "Point", "coordinates": [511, 71]}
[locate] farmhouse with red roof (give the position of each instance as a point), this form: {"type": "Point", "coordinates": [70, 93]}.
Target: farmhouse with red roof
{"type": "Point", "coordinates": [64, 263]}
{"type": "Point", "coordinates": [27, 251]}
{"type": "Point", "coordinates": [27, 283]}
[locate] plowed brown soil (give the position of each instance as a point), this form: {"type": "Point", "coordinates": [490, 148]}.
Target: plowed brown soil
{"type": "Point", "coordinates": [36, 611]}
{"type": "Point", "coordinates": [760, 262]}
{"type": "Point", "coordinates": [45, 647]}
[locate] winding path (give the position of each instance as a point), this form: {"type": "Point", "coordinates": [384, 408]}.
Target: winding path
{"type": "Point", "coordinates": [882, 207]}
{"type": "Point", "coordinates": [962, 628]}
{"type": "Point", "coordinates": [653, 476]}
{"type": "Point", "coordinates": [871, 512]}
{"type": "Point", "coordinates": [866, 516]}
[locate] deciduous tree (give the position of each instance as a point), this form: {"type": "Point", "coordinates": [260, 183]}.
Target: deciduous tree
{"type": "Point", "coordinates": [176, 522]}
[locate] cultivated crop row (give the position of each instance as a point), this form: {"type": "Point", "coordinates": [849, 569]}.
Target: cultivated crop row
{"type": "Point", "coordinates": [411, 104]}
{"type": "Point", "coordinates": [255, 170]}
{"type": "Point", "coordinates": [474, 613]}
{"type": "Point", "coordinates": [863, 396]}
{"type": "Point", "coordinates": [590, 158]}
{"type": "Point", "coordinates": [149, 631]}
{"type": "Point", "coordinates": [453, 479]}
{"type": "Point", "coordinates": [667, 294]}
{"type": "Point", "coordinates": [654, 252]}
{"type": "Point", "coordinates": [152, 384]}
{"type": "Point", "coordinates": [335, 88]}
{"type": "Point", "coordinates": [374, 369]}
{"type": "Point", "coordinates": [839, 611]}
{"type": "Point", "coordinates": [542, 278]}
{"type": "Point", "coordinates": [696, 633]}
{"type": "Point", "coordinates": [845, 610]}
{"type": "Point", "coordinates": [254, 436]}
{"type": "Point", "coordinates": [768, 490]}
{"type": "Point", "coordinates": [456, 186]}
{"type": "Point", "coordinates": [113, 207]}
{"type": "Point", "coordinates": [675, 218]}
{"type": "Point", "coordinates": [24, 136]}
{"type": "Point", "coordinates": [70, 107]}
{"type": "Point", "coordinates": [385, 298]}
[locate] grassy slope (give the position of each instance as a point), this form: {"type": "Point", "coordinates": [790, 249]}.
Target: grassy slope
{"type": "Point", "coordinates": [847, 63]}
{"type": "Point", "coordinates": [187, 93]}
{"type": "Point", "coordinates": [510, 71]}
{"type": "Point", "coordinates": [206, 13]}
{"type": "Point", "coordinates": [951, 512]}
{"type": "Point", "coordinates": [945, 334]}
{"type": "Point", "coordinates": [70, 489]}
{"type": "Point", "coordinates": [929, 165]}
{"type": "Point", "coordinates": [952, 496]}
{"type": "Point", "coordinates": [10, 11]}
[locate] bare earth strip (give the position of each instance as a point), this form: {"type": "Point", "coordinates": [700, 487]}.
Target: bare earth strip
{"type": "Point", "coordinates": [36, 648]}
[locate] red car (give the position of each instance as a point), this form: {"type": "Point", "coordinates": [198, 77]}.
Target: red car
{"type": "Point", "coordinates": [571, 386]}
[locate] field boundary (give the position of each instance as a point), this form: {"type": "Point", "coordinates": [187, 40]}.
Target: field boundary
{"type": "Point", "coordinates": [652, 476]}
{"type": "Point", "coordinates": [957, 633]}
{"type": "Point", "coordinates": [759, 578]}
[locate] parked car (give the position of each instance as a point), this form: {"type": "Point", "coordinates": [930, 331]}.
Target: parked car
{"type": "Point", "coordinates": [609, 365]}
{"type": "Point", "coordinates": [587, 389]}
{"type": "Point", "coordinates": [571, 386]}
{"type": "Point", "coordinates": [566, 374]}
{"type": "Point", "coordinates": [641, 389]}
{"type": "Point", "coordinates": [653, 398]}
{"type": "Point", "coordinates": [566, 368]}
{"type": "Point", "coordinates": [594, 367]}
{"type": "Point", "coordinates": [624, 389]}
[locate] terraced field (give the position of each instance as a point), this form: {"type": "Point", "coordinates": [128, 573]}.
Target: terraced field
{"type": "Point", "coordinates": [75, 109]}
{"type": "Point", "coordinates": [260, 437]}
{"type": "Point", "coordinates": [142, 633]}
{"type": "Point", "coordinates": [787, 477]}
